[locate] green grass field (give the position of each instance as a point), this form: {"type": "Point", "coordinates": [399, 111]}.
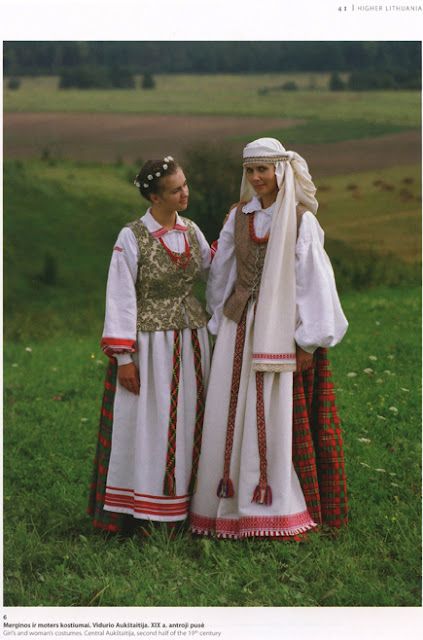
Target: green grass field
{"type": "Point", "coordinates": [68, 215]}
{"type": "Point", "coordinates": [53, 558]}
{"type": "Point", "coordinates": [228, 95]}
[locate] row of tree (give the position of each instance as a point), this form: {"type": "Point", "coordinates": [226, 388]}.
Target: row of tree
{"type": "Point", "coordinates": [52, 58]}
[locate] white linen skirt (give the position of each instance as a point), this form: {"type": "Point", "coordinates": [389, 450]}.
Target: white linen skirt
{"type": "Point", "coordinates": [239, 516]}
{"type": "Point", "coordinates": [139, 447]}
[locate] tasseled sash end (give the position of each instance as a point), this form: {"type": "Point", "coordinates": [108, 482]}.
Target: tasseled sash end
{"type": "Point", "coordinates": [262, 495]}
{"type": "Point", "coordinates": [169, 485]}
{"type": "Point", "coordinates": [225, 489]}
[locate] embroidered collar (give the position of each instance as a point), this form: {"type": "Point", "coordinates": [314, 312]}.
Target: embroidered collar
{"type": "Point", "coordinates": [157, 230]}
{"type": "Point", "coordinates": [255, 205]}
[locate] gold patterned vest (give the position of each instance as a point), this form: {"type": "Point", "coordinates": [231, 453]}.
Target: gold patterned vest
{"type": "Point", "coordinates": [164, 290]}
{"type": "Point", "coordinates": [250, 252]}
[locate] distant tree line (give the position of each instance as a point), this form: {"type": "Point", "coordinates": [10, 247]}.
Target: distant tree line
{"type": "Point", "coordinates": [54, 58]}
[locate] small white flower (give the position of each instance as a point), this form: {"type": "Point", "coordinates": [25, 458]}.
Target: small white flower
{"type": "Point", "coordinates": [393, 409]}
{"type": "Point", "coordinates": [15, 364]}
{"type": "Point", "coordinates": [136, 183]}
{"type": "Point", "coordinates": [388, 373]}
{"type": "Point", "coordinates": [394, 484]}
{"type": "Point", "coordinates": [381, 417]}
{"type": "Point", "coordinates": [379, 381]}
{"type": "Point", "coordinates": [364, 464]}
{"type": "Point", "coordinates": [391, 357]}
{"type": "Point", "coordinates": [165, 166]}
{"type": "Point", "coordinates": [368, 370]}
{"type": "Point", "coordinates": [392, 474]}
{"type": "Point", "coordinates": [158, 174]}
{"type": "Point", "coordinates": [377, 323]}
{"type": "Point", "coordinates": [28, 349]}
{"type": "Point", "coordinates": [366, 440]}
{"type": "Point", "coordinates": [351, 374]}
{"type": "Point", "coordinates": [145, 185]}
{"type": "Point", "coordinates": [84, 419]}
{"type": "Point", "coordinates": [149, 177]}
{"type": "Point", "coordinates": [381, 470]}
{"type": "Point", "coordinates": [404, 389]}
{"type": "Point", "coordinates": [169, 158]}
{"type": "Point", "coordinates": [374, 358]}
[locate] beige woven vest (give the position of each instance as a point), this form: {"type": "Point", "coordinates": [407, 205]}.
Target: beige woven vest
{"type": "Point", "coordinates": [249, 263]}
{"type": "Point", "coordinates": [164, 290]}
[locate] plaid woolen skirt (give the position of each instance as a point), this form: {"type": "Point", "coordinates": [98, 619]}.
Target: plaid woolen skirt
{"type": "Point", "coordinates": [317, 454]}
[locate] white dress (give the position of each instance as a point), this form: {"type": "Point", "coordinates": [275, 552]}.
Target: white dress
{"type": "Point", "coordinates": [320, 323]}
{"type": "Point", "coordinates": [140, 422]}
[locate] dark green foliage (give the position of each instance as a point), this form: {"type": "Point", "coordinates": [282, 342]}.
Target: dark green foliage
{"type": "Point", "coordinates": [96, 77]}
{"type": "Point", "coordinates": [148, 81]}
{"type": "Point", "coordinates": [13, 83]}
{"type": "Point", "coordinates": [336, 83]}
{"type": "Point", "coordinates": [290, 86]}
{"type": "Point", "coordinates": [84, 77]}
{"type": "Point", "coordinates": [372, 79]}
{"type": "Point", "coordinates": [32, 58]}
{"type": "Point", "coordinates": [214, 186]}
{"type": "Point", "coordinates": [121, 77]}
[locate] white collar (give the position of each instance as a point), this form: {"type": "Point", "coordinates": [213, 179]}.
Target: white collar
{"type": "Point", "coordinates": [156, 229]}
{"type": "Point", "coordinates": [255, 205]}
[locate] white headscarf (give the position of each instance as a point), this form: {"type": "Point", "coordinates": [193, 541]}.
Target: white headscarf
{"type": "Point", "coordinates": [274, 344]}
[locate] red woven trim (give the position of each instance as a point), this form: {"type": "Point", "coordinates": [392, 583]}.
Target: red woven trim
{"type": "Point", "coordinates": [145, 511]}
{"type": "Point", "coordinates": [169, 488]}
{"type": "Point", "coordinates": [236, 378]}
{"type": "Point", "coordinates": [147, 495]}
{"type": "Point", "coordinates": [117, 341]}
{"type": "Point", "coordinates": [129, 503]}
{"type": "Point", "coordinates": [199, 409]}
{"type": "Point", "coordinates": [112, 346]}
{"type": "Point", "coordinates": [253, 525]}
{"type": "Point", "coordinates": [116, 248]}
{"type": "Point", "coordinates": [274, 356]}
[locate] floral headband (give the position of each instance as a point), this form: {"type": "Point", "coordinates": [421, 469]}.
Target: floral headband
{"type": "Point", "coordinates": [158, 174]}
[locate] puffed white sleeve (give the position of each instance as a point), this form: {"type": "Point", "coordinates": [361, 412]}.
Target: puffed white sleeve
{"type": "Point", "coordinates": [206, 252]}
{"type": "Point", "coordinates": [222, 274]}
{"type": "Point", "coordinates": [120, 323]}
{"type": "Point", "coordinates": [320, 319]}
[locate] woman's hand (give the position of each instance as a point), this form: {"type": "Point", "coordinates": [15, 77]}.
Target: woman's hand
{"type": "Point", "coordinates": [129, 377]}
{"type": "Point", "coordinates": [304, 359]}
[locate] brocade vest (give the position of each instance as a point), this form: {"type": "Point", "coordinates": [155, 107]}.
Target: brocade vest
{"type": "Point", "coordinates": [164, 290]}
{"type": "Point", "coordinates": [249, 254]}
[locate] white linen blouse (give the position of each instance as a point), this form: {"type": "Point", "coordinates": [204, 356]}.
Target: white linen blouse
{"type": "Point", "coordinates": [320, 319]}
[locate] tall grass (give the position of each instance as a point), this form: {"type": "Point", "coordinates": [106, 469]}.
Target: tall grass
{"type": "Point", "coordinates": [53, 557]}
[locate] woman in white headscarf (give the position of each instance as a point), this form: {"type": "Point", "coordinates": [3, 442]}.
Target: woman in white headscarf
{"type": "Point", "coordinates": [272, 458]}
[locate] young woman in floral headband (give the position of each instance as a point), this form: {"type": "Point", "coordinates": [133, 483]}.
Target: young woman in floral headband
{"type": "Point", "coordinates": [272, 458]}
{"type": "Point", "coordinates": [156, 338]}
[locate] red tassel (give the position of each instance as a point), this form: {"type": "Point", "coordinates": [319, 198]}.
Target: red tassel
{"type": "Point", "coordinates": [262, 495]}
{"type": "Point", "coordinates": [225, 489]}
{"type": "Point", "coordinates": [169, 486]}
